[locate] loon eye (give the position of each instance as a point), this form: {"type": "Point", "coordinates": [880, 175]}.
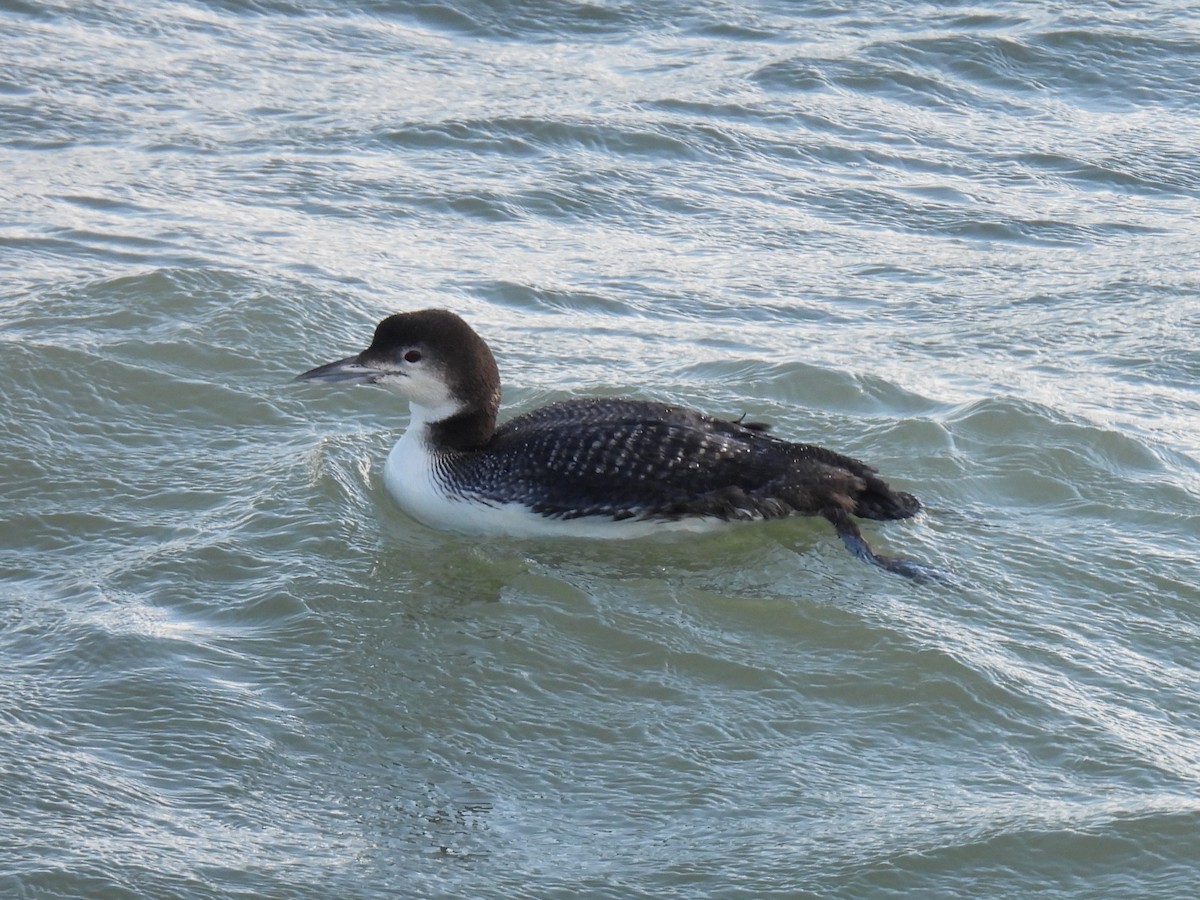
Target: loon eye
{"type": "Point", "coordinates": [412, 356]}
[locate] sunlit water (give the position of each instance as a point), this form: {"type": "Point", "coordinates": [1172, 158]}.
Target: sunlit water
{"type": "Point", "coordinates": [957, 241]}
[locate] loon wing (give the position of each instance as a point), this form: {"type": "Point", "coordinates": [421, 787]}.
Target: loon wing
{"type": "Point", "coordinates": [629, 458]}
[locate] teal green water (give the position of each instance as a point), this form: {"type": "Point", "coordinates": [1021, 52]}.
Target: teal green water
{"type": "Point", "coordinates": [959, 242]}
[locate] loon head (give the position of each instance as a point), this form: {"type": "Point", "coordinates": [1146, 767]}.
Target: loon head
{"type": "Point", "coordinates": [433, 359]}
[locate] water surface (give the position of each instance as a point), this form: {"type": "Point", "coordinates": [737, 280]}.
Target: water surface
{"type": "Point", "coordinates": [957, 241]}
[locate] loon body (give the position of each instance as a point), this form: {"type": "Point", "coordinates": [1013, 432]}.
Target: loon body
{"type": "Point", "coordinates": [595, 467]}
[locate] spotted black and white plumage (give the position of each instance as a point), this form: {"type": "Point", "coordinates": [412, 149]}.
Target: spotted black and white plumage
{"type": "Point", "coordinates": [598, 467]}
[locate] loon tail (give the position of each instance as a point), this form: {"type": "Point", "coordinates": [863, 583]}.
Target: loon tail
{"type": "Point", "coordinates": [878, 500]}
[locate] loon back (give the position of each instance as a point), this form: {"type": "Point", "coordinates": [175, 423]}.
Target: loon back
{"type": "Point", "coordinates": [627, 458]}
{"type": "Point", "coordinates": [599, 460]}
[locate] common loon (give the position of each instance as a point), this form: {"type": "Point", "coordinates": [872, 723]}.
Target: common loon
{"type": "Point", "coordinates": [595, 467]}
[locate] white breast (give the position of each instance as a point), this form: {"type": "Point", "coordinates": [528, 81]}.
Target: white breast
{"type": "Point", "coordinates": [411, 479]}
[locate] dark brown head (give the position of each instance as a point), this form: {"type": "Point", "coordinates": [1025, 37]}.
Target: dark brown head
{"type": "Point", "coordinates": [435, 360]}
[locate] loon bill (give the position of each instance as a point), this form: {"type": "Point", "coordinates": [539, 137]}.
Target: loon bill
{"type": "Point", "coordinates": [594, 467]}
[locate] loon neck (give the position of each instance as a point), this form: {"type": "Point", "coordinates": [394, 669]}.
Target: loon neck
{"type": "Point", "coordinates": [453, 429]}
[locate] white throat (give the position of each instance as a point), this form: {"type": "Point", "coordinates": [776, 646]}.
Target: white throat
{"type": "Point", "coordinates": [410, 473]}
{"type": "Point", "coordinates": [420, 416]}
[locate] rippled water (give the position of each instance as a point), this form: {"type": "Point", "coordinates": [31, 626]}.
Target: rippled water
{"type": "Point", "coordinates": [958, 241]}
